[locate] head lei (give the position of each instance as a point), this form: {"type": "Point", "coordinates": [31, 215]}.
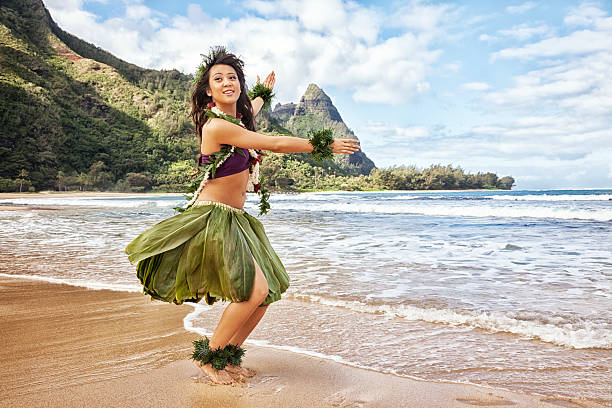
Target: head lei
{"type": "Point", "coordinates": [213, 57]}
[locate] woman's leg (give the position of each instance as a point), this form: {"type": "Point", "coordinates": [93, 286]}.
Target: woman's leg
{"type": "Point", "coordinates": [234, 317]}
{"type": "Point", "coordinates": [241, 336]}
{"type": "Point", "coordinates": [248, 326]}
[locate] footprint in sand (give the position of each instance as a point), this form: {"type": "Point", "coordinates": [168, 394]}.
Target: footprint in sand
{"type": "Point", "coordinates": [562, 403]}
{"type": "Point", "coordinates": [486, 403]}
{"type": "Point", "coordinates": [266, 386]}
{"type": "Point", "coordinates": [339, 400]}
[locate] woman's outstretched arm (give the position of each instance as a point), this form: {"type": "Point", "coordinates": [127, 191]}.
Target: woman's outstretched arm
{"type": "Point", "coordinates": [221, 132]}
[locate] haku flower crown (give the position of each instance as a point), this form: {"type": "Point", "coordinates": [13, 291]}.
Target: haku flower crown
{"type": "Point", "coordinates": [211, 59]}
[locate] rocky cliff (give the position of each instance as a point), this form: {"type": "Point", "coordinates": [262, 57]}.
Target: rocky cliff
{"type": "Point", "coordinates": [316, 111]}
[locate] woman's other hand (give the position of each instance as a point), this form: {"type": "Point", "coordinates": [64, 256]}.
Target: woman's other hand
{"type": "Point", "coordinates": [269, 81]}
{"type": "Point", "coordinates": [349, 146]}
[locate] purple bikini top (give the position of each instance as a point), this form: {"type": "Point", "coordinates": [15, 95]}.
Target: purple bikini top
{"type": "Point", "coordinates": [232, 165]}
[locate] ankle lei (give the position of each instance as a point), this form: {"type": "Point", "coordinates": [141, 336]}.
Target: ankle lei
{"type": "Point", "coordinates": [218, 358]}
{"type": "Point", "coordinates": [206, 172]}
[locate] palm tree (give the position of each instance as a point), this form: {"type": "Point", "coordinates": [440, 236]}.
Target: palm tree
{"type": "Point", "coordinates": [60, 180]}
{"type": "Point", "coordinates": [23, 174]}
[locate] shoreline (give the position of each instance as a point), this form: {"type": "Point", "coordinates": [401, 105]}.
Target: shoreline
{"type": "Point", "coordinates": [124, 350]}
{"type": "Point", "coordinates": [96, 194]}
{"type": "Point", "coordinates": [47, 194]}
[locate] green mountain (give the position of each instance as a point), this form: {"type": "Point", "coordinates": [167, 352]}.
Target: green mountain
{"type": "Point", "coordinates": [68, 108]}
{"type": "Point", "coordinates": [315, 111]}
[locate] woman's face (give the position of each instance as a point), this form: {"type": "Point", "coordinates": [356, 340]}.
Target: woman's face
{"type": "Point", "coordinates": [223, 83]}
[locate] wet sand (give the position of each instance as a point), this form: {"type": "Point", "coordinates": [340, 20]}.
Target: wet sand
{"type": "Point", "coordinates": [66, 346]}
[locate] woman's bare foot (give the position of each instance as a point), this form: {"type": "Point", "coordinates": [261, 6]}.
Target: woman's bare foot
{"type": "Point", "coordinates": [238, 370]}
{"type": "Point", "coordinates": [216, 376]}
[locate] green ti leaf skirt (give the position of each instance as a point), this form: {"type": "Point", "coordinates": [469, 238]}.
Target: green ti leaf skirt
{"type": "Point", "coordinates": [206, 253]}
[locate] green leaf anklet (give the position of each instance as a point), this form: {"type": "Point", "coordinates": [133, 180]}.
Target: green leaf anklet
{"type": "Point", "coordinates": [321, 141]}
{"type": "Point", "coordinates": [264, 92]}
{"type": "Point", "coordinates": [218, 358]}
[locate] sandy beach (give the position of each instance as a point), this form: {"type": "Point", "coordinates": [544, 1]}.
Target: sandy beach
{"type": "Point", "coordinates": [66, 346]}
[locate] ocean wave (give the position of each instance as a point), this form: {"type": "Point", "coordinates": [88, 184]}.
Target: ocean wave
{"type": "Point", "coordinates": [82, 283]}
{"type": "Point", "coordinates": [579, 335]}
{"type": "Point", "coordinates": [603, 214]}
{"type": "Point", "coordinates": [554, 197]}
{"type": "Point", "coordinates": [189, 324]}
{"type": "Point", "coordinates": [189, 320]}
{"type": "Point", "coordinates": [509, 197]}
{"type": "Point", "coordinates": [434, 205]}
{"type": "Point", "coordinates": [119, 202]}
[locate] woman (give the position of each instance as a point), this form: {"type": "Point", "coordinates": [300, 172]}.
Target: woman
{"type": "Point", "coordinates": [214, 249]}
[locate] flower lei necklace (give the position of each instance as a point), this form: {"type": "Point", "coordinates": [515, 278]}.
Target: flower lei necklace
{"type": "Point", "coordinates": [203, 174]}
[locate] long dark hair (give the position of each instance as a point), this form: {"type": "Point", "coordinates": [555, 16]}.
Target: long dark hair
{"type": "Point", "coordinates": [200, 100]}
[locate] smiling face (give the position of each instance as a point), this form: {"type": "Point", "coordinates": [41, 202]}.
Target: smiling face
{"type": "Point", "coordinates": [223, 85]}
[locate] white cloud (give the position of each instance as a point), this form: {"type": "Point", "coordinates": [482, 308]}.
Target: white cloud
{"type": "Point", "coordinates": [137, 12]}
{"type": "Point", "coordinates": [577, 43]}
{"type": "Point", "coordinates": [418, 16]}
{"type": "Point", "coordinates": [524, 32]}
{"type": "Point", "coordinates": [64, 4]}
{"type": "Point", "coordinates": [476, 86]}
{"type": "Point", "coordinates": [487, 38]}
{"type": "Point", "coordinates": [585, 14]}
{"type": "Point", "coordinates": [520, 9]}
{"type": "Point", "coordinates": [452, 67]}
{"type": "Point", "coordinates": [330, 42]}
{"type": "Point", "coordinates": [376, 133]}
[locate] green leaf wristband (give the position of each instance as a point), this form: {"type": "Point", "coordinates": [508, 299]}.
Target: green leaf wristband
{"type": "Point", "coordinates": [321, 141]}
{"type": "Point", "coordinates": [264, 93]}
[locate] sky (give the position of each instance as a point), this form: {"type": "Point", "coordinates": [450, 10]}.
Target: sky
{"type": "Point", "coordinates": [519, 88]}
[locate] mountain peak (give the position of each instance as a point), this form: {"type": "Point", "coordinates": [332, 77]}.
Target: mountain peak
{"type": "Point", "coordinates": [315, 111]}
{"type": "Point", "coordinates": [313, 91]}
{"type": "Point", "coordinates": [315, 100]}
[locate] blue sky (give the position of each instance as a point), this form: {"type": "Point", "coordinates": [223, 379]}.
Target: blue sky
{"type": "Point", "coordinates": [521, 88]}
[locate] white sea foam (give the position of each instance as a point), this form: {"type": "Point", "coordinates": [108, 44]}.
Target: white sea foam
{"type": "Point", "coordinates": [580, 335]}
{"type": "Point", "coordinates": [188, 323]}
{"type": "Point", "coordinates": [326, 196]}
{"type": "Point", "coordinates": [83, 283]}
{"type": "Point", "coordinates": [122, 202]}
{"type": "Point", "coordinates": [410, 197]}
{"type": "Point", "coordinates": [455, 210]}
{"type": "Point", "coordinates": [554, 197]}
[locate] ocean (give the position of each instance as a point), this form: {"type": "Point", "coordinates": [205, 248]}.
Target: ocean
{"type": "Point", "coordinates": [507, 288]}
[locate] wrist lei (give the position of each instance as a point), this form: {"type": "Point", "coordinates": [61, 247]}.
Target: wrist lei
{"type": "Point", "coordinates": [218, 358]}
{"type": "Point", "coordinates": [321, 141]}
{"type": "Point", "coordinates": [207, 171]}
{"type": "Point", "coordinates": [263, 92]}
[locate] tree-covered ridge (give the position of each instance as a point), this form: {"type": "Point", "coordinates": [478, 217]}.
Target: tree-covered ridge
{"type": "Point", "coordinates": [63, 115]}
{"type": "Point", "coordinates": [73, 116]}
{"type": "Point", "coordinates": [297, 172]}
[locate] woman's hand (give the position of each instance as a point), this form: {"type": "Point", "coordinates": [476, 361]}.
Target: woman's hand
{"type": "Point", "coordinates": [349, 146]}
{"type": "Point", "coordinates": [258, 102]}
{"type": "Point", "coordinates": [269, 81]}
